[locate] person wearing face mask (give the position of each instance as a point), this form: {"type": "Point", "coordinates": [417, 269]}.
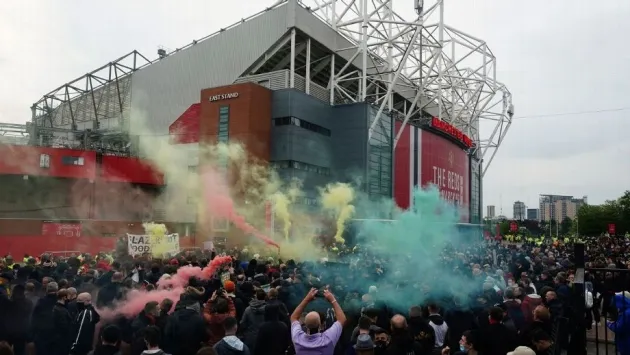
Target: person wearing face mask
{"type": "Point", "coordinates": [84, 325]}
{"type": "Point", "coordinates": [467, 345]}
{"type": "Point", "coordinates": [62, 326]}
{"type": "Point", "coordinates": [381, 342]}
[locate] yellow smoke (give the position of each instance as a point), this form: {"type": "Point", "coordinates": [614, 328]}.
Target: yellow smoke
{"type": "Point", "coordinates": [157, 235]}
{"type": "Point", "coordinates": [281, 206]}
{"type": "Point", "coordinates": [251, 180]}
{"type": "Point", "coordinates": [337, 198]}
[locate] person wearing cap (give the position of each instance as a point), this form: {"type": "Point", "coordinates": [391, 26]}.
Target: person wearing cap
{"type": "Point", "coordinates": [239, 305]}
{"type": "Point", "coordinates": [522, 350]}
{"type": "Point", "coordinates": [364, 345]}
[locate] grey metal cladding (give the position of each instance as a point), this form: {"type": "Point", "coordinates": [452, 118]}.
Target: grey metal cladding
{"type": "Point", "coordinates": [163, 90]}
{"type": "Point", "coordinates": [349, 141]}
{"type": "Point", "coordinates": [291, 102]}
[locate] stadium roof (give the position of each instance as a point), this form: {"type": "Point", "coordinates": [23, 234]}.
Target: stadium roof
{"type": "Point", "coordinates": [330, 49]}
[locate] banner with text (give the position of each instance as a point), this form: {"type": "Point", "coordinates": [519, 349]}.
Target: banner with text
{"type": "Point", "coordinates": [138, 244]}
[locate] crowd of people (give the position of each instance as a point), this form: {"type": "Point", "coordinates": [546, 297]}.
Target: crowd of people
{"type": "Point", "coordinates": [519, 300]}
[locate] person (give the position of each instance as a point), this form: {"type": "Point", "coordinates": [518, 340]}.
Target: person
{"type": "Point", "coordinates": [522, 350]}
{"type": "Point", "coordinates": [542, 321]}
{"type": "Point", "coordinates": [312, 341]}
{"type": "Point", "coordinates": [439, 326]}
{"type": "Point", "coordinates": [401, 341]}
{"type": "Point", "coordinates": [109, 341]}
{"type": "Point", "coordinates": [381, 342]}
{"type": "Point", "coordinates": [543, 343]}
{"type": "Point", "coordinates": [496, 338]}
{"type": "Point", "coordinates": [62, 325]}
{"type": "Point", "coordinates": [621, 327]}
{"type": "Point", "coordinates": [364, 345]}
{"type": "Point", "coordinates": [253, 319]}
{"type": "Point", "coordinates": [185, 329]}
{"type": "Point", "coordinates": [468, 344]}
{"type": "Point", "coordinates": [274, 337]}
{"type": "Point", "coordinates": [84, 325]}
{"type": "Point", "coordinates": [152, 341]}
{"type": "Point", "coordinates": [231, 344]}
{"type": "Point", "coordinates": [215, 312]}
{"type": "Point", "coordinates": [42, 321]}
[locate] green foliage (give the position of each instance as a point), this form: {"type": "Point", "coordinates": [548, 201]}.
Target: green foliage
{"type": "Point", "coordinates": [594, 219]}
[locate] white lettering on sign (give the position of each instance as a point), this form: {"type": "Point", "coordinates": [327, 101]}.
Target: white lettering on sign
{"type": "Point", "coordinates": [220, 97]}
{"type": "Point", "coordinates": [450, 184]}
{"type": "Point", "coordinates": [143, 244]}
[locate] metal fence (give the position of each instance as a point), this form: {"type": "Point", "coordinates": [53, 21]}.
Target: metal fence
{"type": "Point", "coordinates": [599, 322]}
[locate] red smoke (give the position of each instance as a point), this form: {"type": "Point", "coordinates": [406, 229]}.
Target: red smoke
{"type": "Point", "coordinates": [180, 279]}
{"type": "Point", "coordinates": [136, 299]}
{"type": "Point", "coordinates": [218, 200]}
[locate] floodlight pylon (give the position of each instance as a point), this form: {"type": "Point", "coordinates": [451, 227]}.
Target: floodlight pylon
{"type": "Point", "coordinates": [439, 70]}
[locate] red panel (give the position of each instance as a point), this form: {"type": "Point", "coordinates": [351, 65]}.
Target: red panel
{"type": "Point", "coordinates": [131, 170]}
{"type": "Point", "coordinates": [186, 128]}
{"type": "Point", "coordinates": [402, 168]}
{"type": "Point", "coordinates": [54, 229]}
{"type": "Point", "coordinates": [446, 165]}
{"type": "Point", "coordinates": [37, 245]}
{"type": "Point", "coordinates": [25, 160]}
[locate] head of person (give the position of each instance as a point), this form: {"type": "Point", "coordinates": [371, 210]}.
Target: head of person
{"type": "Point", "coordinates": [398, 324]}
{"type": "Point", "coordinates": [415, 312]}
{"type": "Point", "coordinates": [229, 287]}
{"type": "Point", "coordinates": [110, 335]}
{"type": "Point", "coordinates": [152, 337]}
{"type": "Point", "coordinates": [468, 342]}
{"type": "Point", "coordinates": [261, 295]}
{"type": "Point", "coordinates": [230, 325]}
{"type": "Point", "coordinates": [381, 338]}
{"type": "Point", "coordinates": [207, 350]}
{"type": "Point", "coordinates": [364, 345]}
{"type": "Point", "coordinates": [52, 288]}
{"type": "Point", "coordinates": [495, 315]}
{"type": "Point", "coordinates": [550, 296]}
{"type": "Point", "coordinates": [541, 314]}
{"type": "Point", "coordinates": [62, 296]}
{"type": "Point", "coordinates": [84, 300]}
{"type": "Point", "coordinates": [152, 309]}
{"type": "Point", "coordinates": [364, 325]}
{"type": "Point", "coordinates": [312, 322]}
{"type": "Point", "coordinates": [522, 350]}
{"type": "Point", "coordinates": [72, 293]}
{"type": "Point", "coordinates": [541, 340]}
{"type": "Point", "coordinates": [166, 305]}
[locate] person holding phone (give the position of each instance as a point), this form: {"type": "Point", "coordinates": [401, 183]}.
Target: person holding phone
{"type": "Point", "coordinates": [312, 341]}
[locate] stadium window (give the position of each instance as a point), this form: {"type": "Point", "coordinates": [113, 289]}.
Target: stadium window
{"type": "Point", "coordinates": [66, 160]}
{"type": "Point", "coordinates": [298, 165]}
{"type": "Point", "coordinates": [294, 121]}
{"type": "Point", "coordinates": [224, 124]}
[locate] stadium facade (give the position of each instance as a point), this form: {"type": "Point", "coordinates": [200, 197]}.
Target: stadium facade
{"type": "Point", "coordinates": [323, 92]}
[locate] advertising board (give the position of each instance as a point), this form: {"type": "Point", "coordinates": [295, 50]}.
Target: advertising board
{"type": "Point", "coordinates": [422, 158]}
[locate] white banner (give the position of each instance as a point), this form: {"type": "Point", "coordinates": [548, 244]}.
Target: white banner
{"type": "Point", "coordinates": [141, 244]}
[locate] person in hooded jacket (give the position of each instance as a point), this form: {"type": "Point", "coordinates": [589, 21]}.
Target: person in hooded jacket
{"type": "Point", "coordinates": [185, 329]}
{"type": "Point", "coordinates": [109, 343]}
{"type": "Point", "coordinates": [231, 344]}
{"type": "Point", "coordinates": [42, 325]}
{"type": "Point", "coordinates": [215, 313]}
{"type": "Point", "coordinates": [253, 319]}
{"type": "Point", "coordinates": [147, 317]}
{"type": "Point", "coordinates": [84, 325]}
{"type": "Point", "coordinates": [274, 337]}
{"type": "Point", "coordinates": [439, 326]}
{"type": "Point", "coordinates": [621, 327]}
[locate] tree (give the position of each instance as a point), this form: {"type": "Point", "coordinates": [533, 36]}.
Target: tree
{"type": "Point", "coordinates": [566, 226]}
{"type": "Point", "coordinates": [594, 219]}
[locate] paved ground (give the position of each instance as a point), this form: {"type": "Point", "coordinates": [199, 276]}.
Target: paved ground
{"type": "Point", "coordinates": [600, 340]}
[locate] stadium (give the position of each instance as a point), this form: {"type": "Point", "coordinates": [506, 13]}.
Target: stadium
{"type": "Point", "coordinates": [322, 90]}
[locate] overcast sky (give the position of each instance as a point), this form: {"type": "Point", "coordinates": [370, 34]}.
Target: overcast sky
{"type": "Point", "coordinates": [556, 57]}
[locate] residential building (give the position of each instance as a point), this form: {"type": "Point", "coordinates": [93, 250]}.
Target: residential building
{"type": "Point", "coordinates": [520, 211]}
{"type": "Point", "coordinates": [557, 207]}
{"type": "Point", "coordinates": [532, 214]}
{"type": "Point", "coordinates": [490, 211]}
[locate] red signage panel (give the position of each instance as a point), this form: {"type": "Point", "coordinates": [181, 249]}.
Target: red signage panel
{"type": "Point", "coordinates": [611, 229]}
{"type": "Point", "coordinates": [130, 170]}
{"type": "Point", "coordinates": [452, 131]}
{"type": "Point", "coordinates": [445, 165]}
{"type": "Point", "coordinates": [55, 229]}
{"type": "Point", "coordinates": [513, 227]}
{"type": "Point", "coordinates": [423, 158]}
